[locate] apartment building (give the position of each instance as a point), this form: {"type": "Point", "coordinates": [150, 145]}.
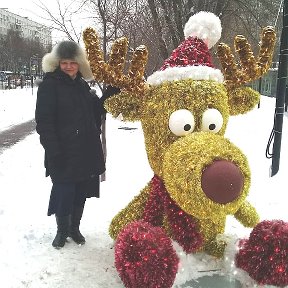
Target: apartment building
{"type": "Point", "coordinates": [29, 29]}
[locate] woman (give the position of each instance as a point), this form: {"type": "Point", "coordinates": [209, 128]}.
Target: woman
{"type": "Point", "coordinates": [68, 121]}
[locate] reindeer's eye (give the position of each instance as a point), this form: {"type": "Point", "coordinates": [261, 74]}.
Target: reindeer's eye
{"type": "Point", "coordinates": [212, 121]}
{"type": "Point", "coordinates": [181, 122]}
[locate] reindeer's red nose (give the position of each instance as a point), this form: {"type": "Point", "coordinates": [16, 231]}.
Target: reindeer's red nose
{"type": "Point", "coordinates": [222, 181]}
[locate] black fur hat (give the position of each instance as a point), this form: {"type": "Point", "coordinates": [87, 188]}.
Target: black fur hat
{"type": "Point", "coordinates": [67, 50]}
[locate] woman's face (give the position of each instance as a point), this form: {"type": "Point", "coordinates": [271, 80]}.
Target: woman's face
{"type": "Point", "coordinates": [69, 67]}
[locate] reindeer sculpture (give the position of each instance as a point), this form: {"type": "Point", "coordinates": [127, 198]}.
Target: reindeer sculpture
{"type": "Point", "coordinates": [200, 177]}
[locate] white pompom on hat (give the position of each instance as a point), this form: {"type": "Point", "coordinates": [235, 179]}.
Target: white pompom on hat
{"type": "Point", "coordinates": [67, 50]}
{"type": "Point", "coordinates": [205, 26]}
{"type": "Point", "coordinates": [192, 59]}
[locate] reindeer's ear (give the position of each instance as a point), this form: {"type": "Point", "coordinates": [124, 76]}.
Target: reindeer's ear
{"type": "Point", "coordinates": [242, 100]}
{"type": "Point", "coordinates": [127, 104]}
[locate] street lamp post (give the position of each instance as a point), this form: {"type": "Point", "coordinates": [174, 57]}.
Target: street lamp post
{"type": "Point", "coordinates": [34, 65]}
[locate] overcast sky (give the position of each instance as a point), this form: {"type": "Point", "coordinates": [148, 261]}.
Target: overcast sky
{"type": "Point", "coordinates": [28, 8]}
{"type": "Point", "coordinates": [31, 9]}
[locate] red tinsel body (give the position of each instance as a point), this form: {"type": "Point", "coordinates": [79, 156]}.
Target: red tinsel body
{"type": "Point", "coordinates": [154, 208]}
{"type": "Point", "coordinates": [144, 257]}
{"type": "Point", "coordinates": [184, 227]}
{"type": "Point", "coordinates": [264, 256]}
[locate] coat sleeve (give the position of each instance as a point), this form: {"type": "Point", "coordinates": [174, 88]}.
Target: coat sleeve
{"type": "Point", "coordinates": [109, 92]}
{"type": "Point", "coordinates": [45, 117]}
{"type": "Point", "coordinates": [98, 103]}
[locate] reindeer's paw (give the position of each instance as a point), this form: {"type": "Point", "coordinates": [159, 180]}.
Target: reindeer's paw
{"type": "Point", "coordinates": [264, 255]}
{"type": "Point", "coordinates": [217, 246]}
{"type": "Point", "coordinates": [144, 256]}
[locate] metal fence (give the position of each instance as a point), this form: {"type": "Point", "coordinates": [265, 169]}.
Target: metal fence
{"type": "Point", "coordinates": [14, 81]}
{"type": "Point", "coordinates": [267, 84]}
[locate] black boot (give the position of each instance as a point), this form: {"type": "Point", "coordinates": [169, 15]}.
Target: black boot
{"type": "Point", "coordinates": [63, 224]}
{"type": "Point", "coordinates": [75, 234]}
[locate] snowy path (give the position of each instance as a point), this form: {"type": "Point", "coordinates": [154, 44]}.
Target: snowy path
{"type": "Point", "coordinates": [16, 133]}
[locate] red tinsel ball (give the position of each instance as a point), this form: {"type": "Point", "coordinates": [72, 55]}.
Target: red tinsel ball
{"type": "Point", "coordinates": [145, 257]}
{"type": "Point", "coordinates": [264, 256]}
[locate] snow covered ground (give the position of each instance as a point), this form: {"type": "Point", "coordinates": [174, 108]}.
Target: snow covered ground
{"type": "Point", "coordinates": [27, 257]}
{"type": "Point", "coordinates": [16, 106]}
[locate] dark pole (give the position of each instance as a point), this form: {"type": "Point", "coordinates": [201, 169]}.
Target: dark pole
{"type": "Point", "coordinates": [259, 89]}
{"type": "Point", "coordinates": [286, 98]}
{"type": "Point", "coordinates": [280, 92]}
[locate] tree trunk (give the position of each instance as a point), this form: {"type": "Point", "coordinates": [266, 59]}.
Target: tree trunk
{"type": "Point", "coordinates": [220, 7]}
{"type": "Point", "coordinates": [158, 28]}
{"type": "Point", "coordinates": [178, 16]}
{"type": "Point", "coordinates": [168, 20]}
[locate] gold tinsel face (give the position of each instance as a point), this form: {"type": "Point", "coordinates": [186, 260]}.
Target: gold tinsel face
{"type": "Point", "coordinates": [162, 101]}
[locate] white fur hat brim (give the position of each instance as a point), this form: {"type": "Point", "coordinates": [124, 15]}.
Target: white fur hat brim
{"type": "Point", "coordinates": [188, 72]}
{"type": "Point", "coordinates": [50, 61]}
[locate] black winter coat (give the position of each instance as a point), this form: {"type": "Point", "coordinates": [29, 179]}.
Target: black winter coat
{"type": "Point", "coordinates": [68, 121]}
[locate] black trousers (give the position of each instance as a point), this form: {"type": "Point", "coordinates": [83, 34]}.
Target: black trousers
{"type": "Point", "coordinates": [63, 197]}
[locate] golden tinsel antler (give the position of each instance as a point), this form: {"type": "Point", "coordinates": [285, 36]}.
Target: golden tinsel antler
{"type": "Point", "coordinates": [249, 68]}
{"type": "Point", "coordinates": [112, 71]}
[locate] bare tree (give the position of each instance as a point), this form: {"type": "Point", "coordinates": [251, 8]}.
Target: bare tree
{"type": "Point", "coordinates": [18, 51]}
{"type": "Point", "coordinates": [65, 20]}
{"type": "Point", "coordinates": [159, 24]}
{"type": "Point", "coordinates": [245, 17]}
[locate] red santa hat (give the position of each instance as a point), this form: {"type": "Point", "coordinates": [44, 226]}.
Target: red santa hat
{"type": "Point", "coordinates": [192, 59]}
